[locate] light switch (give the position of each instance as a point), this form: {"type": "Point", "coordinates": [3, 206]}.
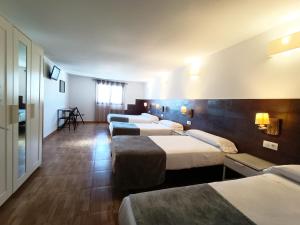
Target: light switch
{"type": "Point", "coordinates": [270, 145]}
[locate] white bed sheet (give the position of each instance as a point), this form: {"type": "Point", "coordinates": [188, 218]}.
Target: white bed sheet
{"type": "Point", "coordinates": [185, 152]}
{"type": "Point", "coordinates": [149, 129]}
{"type": "Point", "coordinates": [134, 118]}
{"type": "Point", "coordinates": [22, 115]}
{"type": "Point", "coordinates": [265, 199]}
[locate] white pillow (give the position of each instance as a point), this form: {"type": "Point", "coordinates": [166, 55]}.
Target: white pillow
{"type": "Point", "coordinates": [154, 118]}
{"type": "Point", "coordinates": [219, 142]}
{"type": "Point", "coordinates": [146, 114]}
{"type": "Point", "coordinates": [291, 172]}
{"type": "Point", "coordinates": [171, 124]}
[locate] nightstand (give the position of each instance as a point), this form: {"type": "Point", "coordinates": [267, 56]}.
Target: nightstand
{"type": "Point", "coordinates": [178, 132]}
{"type": "Point", "coordinates": [245, 164]}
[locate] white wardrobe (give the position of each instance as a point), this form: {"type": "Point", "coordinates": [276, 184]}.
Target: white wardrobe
{"type": "Point", "coordinates": [21, 105]}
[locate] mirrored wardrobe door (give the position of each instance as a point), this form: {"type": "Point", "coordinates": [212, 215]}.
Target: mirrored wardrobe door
{"type": "Point", "coordinates": [22, 56]}
{"type": "Point", "coordinates": [37, 62]}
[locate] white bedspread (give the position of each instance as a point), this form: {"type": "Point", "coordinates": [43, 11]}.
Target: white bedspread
{"type": "Point", "coordinates": [22, 115]}
{"type": "Point", "coordinates": [185, 152]}
{"type": "Point", "coordinates": [134, 118]}
{"type": "Point", "coordinates": [150, 129]}
{"type": "Point", "coordinates": [265, 199]}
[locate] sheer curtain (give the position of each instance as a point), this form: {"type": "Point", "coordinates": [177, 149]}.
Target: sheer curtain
{"type": "Point", "coordinates": [109, 98]}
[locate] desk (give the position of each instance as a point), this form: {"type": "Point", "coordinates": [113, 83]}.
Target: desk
{"type": "Point", "coordinates": [63, 114]}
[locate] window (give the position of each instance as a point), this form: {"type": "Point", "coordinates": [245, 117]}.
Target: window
{"type": "Point", "coordinates": [109, 92]}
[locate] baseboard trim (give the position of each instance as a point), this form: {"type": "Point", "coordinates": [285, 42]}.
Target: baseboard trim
{"type": "Point", "coordinates": [50, 135]}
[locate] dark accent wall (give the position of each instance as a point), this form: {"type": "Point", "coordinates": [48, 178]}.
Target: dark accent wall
{"type": "Point", "coordinates": [137, 108]}
{"type": "Point", "coordinates": [234, 119]}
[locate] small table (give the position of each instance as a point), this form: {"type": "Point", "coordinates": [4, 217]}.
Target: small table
{"type": "Point", "coordinates": [62, 114]}
{"type": "Point", "coordinates": [245, 164]}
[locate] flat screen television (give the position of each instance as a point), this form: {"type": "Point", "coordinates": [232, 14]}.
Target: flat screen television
{"type": "Point", "coordinates": [55, 73]}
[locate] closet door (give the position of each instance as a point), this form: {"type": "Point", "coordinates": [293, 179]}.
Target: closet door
{"type": "Point", "coordinates": [5, 100]}
{"type": "Point", "coordinates": [22, 108]}
{"type": "Point", "coordinates": [36, 98]}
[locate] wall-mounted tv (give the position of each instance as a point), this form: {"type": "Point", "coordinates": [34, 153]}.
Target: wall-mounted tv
{"type": "Point", "coordinates": [55, 73]}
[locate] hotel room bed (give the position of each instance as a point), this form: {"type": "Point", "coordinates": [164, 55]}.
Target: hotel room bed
{"type": "Point", "coordinates": [143, 118]}
{"type": "Point", "coordinates": [162, 127]}
{"type": "Point", "coordinates": [271, 198]}
{"type": "Point", "coordinates": [141, 162]}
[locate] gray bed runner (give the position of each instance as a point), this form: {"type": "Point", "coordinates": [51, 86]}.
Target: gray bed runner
{"type": "Point", "coordinates": [121, 128]}
{"type": "Point", "coordinates": [191, 205]}
{"type": "Point", "coordinates": [137, 162]}
{"type": "Point", "coordinates": [119, 118]}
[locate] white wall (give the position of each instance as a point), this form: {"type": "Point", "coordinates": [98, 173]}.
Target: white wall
{"type": "Point", "coordinates": [133, 91]}
{"type": "Point", "coordinates": [82, 93]}
{"type": "Point", "coordinates": [53, 99]}
{"type": "Point", "coordinates": [241, 71]}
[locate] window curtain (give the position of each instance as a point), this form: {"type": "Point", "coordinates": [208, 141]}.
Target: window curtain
{"type": "Point", "coordinates": [109, 98]}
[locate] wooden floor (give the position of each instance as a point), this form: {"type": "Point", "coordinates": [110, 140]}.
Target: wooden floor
{"type": "Point", "coordinates": [73, 186]}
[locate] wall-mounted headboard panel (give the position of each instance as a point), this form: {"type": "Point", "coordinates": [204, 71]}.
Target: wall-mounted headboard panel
{"type": "Point", "coordinates": [234, 119]}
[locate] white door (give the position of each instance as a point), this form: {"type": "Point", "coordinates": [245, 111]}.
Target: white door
{"type": "Point", "coordinates": [37, 63]}
{"type": "Point", "coordinates": [5, 100]}
{"type": "Point", "coordinates": [22, 109]}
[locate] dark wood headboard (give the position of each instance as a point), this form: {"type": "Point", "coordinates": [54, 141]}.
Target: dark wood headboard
{"type": "Point", "coordinates": [234, 119]}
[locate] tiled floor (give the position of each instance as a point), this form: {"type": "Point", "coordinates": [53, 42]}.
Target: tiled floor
{"type": "Point", "coordinates": [73, 186]}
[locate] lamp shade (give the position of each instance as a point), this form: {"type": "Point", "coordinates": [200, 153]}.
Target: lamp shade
{"type": "Point", "coordinates": [145, 104]}
{"type": "Point", "coordinates": [157, 106]}
{"type": "Point", "coordinates": [183, 109]}
{"type": "Point", "coordinates": [262, 119]}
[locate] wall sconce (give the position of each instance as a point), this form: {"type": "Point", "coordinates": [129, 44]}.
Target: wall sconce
{"type": "Point", "coordinates": [266, 124]}
{"type": "Point", "coordinates": [284, 44]}
{"type": "Point", "coordinates": [262, 120]}
{"type": "Point", "coordinates": [145, 104]}
{"type": "Point", "coordinates": [185, 111]}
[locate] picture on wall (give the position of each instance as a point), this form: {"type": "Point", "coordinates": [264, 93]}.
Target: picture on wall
{"type": "Point", "coordinates": [62, 86]}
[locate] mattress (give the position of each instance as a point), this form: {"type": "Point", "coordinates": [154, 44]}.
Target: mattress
{"type": "Point", "coordinates": [264, 199]}
{"type": "Point", "coordinates": [185, 152]}
{"type": "Point", "coordinates": [134, 118]}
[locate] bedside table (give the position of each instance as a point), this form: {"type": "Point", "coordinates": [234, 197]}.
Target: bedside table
{"type": "Point", "coordinates": [245, 164]}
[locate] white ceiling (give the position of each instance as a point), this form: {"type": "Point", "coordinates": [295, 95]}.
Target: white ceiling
{"type": "Point", "coordinates": [137, 39]}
